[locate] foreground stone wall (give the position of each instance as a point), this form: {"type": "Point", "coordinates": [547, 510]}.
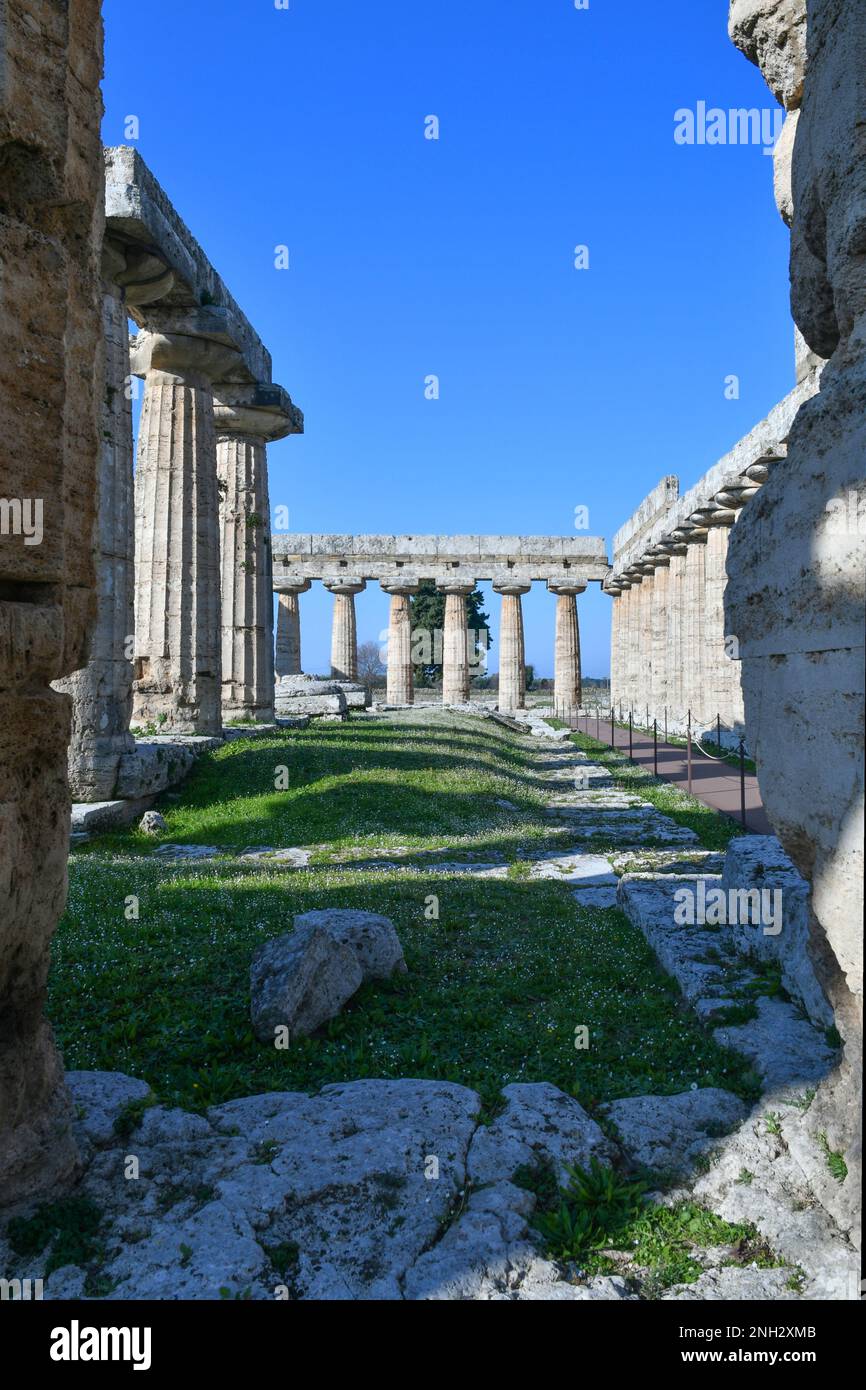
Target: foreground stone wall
{"type": "Point", "coordinates": [50, 373]}
{"type": "Point", "coordinates": [797, 557]}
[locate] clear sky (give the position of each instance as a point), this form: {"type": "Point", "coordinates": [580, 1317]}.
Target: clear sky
{"type": "Point", "coordinates": [305, 127]}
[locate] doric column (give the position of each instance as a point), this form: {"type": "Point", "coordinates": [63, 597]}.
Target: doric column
{"type": "Point", "coordinates": [676, 704]}
{"type": "Point", "coordinates": [288, 658]}
{"type": "Point", "coordinates": [635, 639]}
{"type": "Point", "coordinates": [659, 636]}
{"type": "Point", "coordinates": [723, 674]}
{"type": "Point", "coordinates": [512, 654]}
{"type": "Point", "coordinates": [694, 664]}
{"type": "Point", "coordinates": [455, 643]}
{"type": "Point", "coordinates": [400, 684]}
{"type": "Point", "coordinates": [177, 594]}
{"type": "Point", "coordinates": [246, 419]}
{"type": "Point", "coordinates": [344, 634]}
{"type": "Point", "coordinates": [102, 690]}
{"type": "Point", "coordinates": [566, 685]}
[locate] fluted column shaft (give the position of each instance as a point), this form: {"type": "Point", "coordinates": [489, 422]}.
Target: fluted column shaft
{"type": "Point", "coordinates": [102, 690]}
{"type": "Point", "coordinates": [288, 655]}
{"type": "Point", "coordinates": [659, 636]}
{"type": "Point", "coordinates": [567, 682]}
{"type": "Point", "coordinates": [400, 689]}
{"type": "Point", "coordinates": [344, 632]}
{"type": "Point", "coordinates": [695, 662]}
{"type": "Point", "coordinates": [675, 657]}
{"type": "Point", "coordinates": [455, 646]}
{"type": "Point", "coordinates": [246, 578]}
{"type": "Point", "coordinates": [512, 663]}
{"type": "Point", "coordinates": [177, 618]}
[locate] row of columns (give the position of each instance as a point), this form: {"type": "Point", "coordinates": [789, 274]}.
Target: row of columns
{"type": "Point", "coordinates": [670, 655]}
{"type": "Point", "coordinates": [184, 628]}
{"type": "Point", "coordinates": [456, 651]}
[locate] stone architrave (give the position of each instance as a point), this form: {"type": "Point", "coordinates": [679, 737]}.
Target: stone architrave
{"type": "Point", "coordinates": [344, 633]}
{"type": "Point", "coordinates": [512, 660]}
{"type": "Point", "coordinates": [455, 642]}
{"type": "Point", "coordinates": [178, 682]}
{"type": "Point", "coordinates": [288, 655]}
{"type": "Point", "coordinates": [400, 688]}
{"type": "Point", "coordinates": [246, 420]}
{"type": "Point", "coordinates": [567, 684]}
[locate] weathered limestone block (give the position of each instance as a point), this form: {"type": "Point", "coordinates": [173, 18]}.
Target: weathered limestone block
{"type": "Point", "coordinates": [373, 938]}
{"type": "Point", "coordinates": [758, 862]}
{"type": "Point", "coordinates": [797, 555]}
{"type": "Point", "coordinates": [50, 389]}
{"type": "Point", "coordinates": [772, 34]}
{"type": "Point", "coordinates": [177, 600]}
{"type": "Point", "coordinates": [301, 981]}
{"type": "Point", "coordinates": [151, 767]}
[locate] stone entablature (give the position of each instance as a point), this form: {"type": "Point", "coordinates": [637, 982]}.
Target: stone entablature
{"type": "Point", "coordinates": [495, 558]}
{"type": "Point", "coordinates": [740, 473]}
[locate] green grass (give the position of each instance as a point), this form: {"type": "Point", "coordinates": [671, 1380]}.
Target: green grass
{"type": "Point", "coordinates": [496, 985]}
{"type": "Point", "coordinates": [603, 1223]}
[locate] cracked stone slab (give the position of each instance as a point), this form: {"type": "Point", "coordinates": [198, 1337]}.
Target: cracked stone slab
{"type": "Point", "coordinates": [267, 856]}
{"type": "Point", "coordinates": [669, 1133]}
{"type": "Point", "coordinates": [540, 1124]}
{"type": "Point", "coordinates": [788, 1052]}
{"type": "Point", "coordinates": [577, 869]}
{"type": "Point", "coordinates": [187, 852]}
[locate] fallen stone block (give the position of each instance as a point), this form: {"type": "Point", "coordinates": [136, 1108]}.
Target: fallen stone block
{"type": "Point", "coordinates": [374, 939]}
{"type": "Point", "coordinates": [154, 765]}
{"type": "Point", "coordinates": [300, 981]}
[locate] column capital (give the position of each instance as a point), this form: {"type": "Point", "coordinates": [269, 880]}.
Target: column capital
{"type": "Point", "coordinates": [181, 355]}
{"type": "Point", "coordinates": [264, 411]}
{"type": "Point", "coordinates": [516, 587]}
{"type": "Point", "coordinates": [298, 585]}
{"type": "Point", "coordinates": [407, 585]}
{"type": "Point", "coordinates": [348, 585]}
{"type": "Point", "coordinates": [565, 585]}
{"type": "Point", "coordinates": [136, 269]}
{"type": "Point", "coordinates": [462, 587]}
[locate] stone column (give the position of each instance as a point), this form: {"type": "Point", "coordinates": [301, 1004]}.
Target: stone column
{"type": "Point", "coordinates": [694, 665]}
{"type": "Point", "coordinates": [50, 402]}
{"type": "Point", "coordinates": [624, 602]}
{"type": "Point", "coordinates": [675, 648]}
{"type": "Point", "coordinates": [566, 685]}
{"type": "Point", "coordinates": [512, 652]}
{"type": "Point", "coordinates": [288, 658]}
{"type": "Point", "coordinates": [635, 639]}
{"type": "Point", "coordinates": [177, 598]}
{"type": "Point", "coordinates": [455, 643]}
{"type": "Point", "coordinates": [658, 637]}
{"type": "Point", "coordinates": [344, 634]}
{"type": "Point", "coordinates": [246, 419]}
{"type": "Point", "coordinates": [400, 683]}
{"type": "Point", "coordinates": [102, 690]}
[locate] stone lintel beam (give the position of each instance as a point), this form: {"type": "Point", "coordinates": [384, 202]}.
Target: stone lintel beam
{"type": "Point", "coordinates": [138, 211]}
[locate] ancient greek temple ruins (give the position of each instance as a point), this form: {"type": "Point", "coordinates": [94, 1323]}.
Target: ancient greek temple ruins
{"type": "Point", "coordinates": [400, 564]}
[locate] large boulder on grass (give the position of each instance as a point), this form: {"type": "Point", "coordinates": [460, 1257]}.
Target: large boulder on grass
{"type": "Point", "coordinates": [373, 939]}
{"type": "Point", "coordinates": [300, 981]}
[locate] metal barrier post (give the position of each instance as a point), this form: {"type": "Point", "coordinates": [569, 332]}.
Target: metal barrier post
{"type": "Point", "coordinates": [655, 748]}
{"type": "Point", "coordinates": [742, 784]}
{"type": "Point", "coordinates": [689, 735]}
{"type": "Point", "coordinates": [629, 735]}
{"type": "Point", "coordinates": [719, 732]}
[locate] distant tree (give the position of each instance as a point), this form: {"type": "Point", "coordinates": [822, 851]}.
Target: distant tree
{"type": "Point", "coordinates": [428, 625]}
{"type": "Point", "coordinates": [530, 677]}
{"type": "Point", "coordinates": [371, 668]}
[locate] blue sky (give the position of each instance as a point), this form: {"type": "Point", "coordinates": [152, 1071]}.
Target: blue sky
{"type": "Point", "coordinates": [410, 257]}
